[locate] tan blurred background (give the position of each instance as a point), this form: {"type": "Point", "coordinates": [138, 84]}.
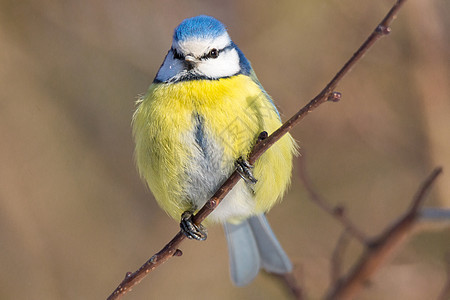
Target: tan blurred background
{"type": "Point", "coordinates": [74, 215]}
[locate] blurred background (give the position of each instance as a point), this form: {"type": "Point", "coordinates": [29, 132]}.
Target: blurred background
{"type": "Point", "coordinates": [74, 214]}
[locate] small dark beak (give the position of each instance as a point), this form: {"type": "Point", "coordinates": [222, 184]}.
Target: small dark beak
{"type": "Point", "coordinates": [190, 62]}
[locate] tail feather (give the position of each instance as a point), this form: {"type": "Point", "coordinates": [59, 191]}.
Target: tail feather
{"type": "Point", "coordinates": [252, 245]}
{"type": "Point", "coordinates": [243, 252]}
{"type": "Point", "coordinates": [273, 257]}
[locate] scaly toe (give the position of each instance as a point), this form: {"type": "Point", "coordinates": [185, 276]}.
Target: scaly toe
{"type": "Point", "coordinates": [191, 230]}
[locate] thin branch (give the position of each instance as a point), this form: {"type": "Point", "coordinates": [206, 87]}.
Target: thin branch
{"type": "Point", "coordinates": [326, 94]}
{"type": "Point", "coordinates": [131, 279]}
{"type": "Point", "coordinates": [381, 247]}
{"type": "Point", "coordinates": [337, 212]}
{"type": "Point", "coordinates": [292, 284]}
{"type": "Point", "coordinates": [336, 257]}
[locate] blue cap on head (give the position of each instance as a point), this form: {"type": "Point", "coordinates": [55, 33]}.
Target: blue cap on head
{"type": "Point", "coordinates": [205, 27]}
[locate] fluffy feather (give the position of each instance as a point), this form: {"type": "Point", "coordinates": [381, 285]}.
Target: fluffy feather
{"type": "Point", "coordinates": [204, 110]}
{"type": "Point", "coordinates": [175, 165]}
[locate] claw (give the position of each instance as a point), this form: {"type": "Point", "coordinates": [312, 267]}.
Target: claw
{"type": "Point", "coordinates": [244, 168]}
{"type": "Point", "coordinates": [191, 230]}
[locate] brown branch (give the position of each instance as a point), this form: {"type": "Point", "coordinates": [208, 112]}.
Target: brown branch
{"type": "Point", "coordinates": [381, 247]}
{"type": "Point", "coordinates": [131, 279]}
{"type": "Point", "coordinates": [326, 94]}
{"type": "Point", "coordinates": [337, 212]}
{"type": "Point", "coordinates": [336, 257]}
{"type": "Point", "coordinates": [292, 284]}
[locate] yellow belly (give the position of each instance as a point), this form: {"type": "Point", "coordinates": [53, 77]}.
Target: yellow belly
{"type": "Point", "coordinates": [188, 135]}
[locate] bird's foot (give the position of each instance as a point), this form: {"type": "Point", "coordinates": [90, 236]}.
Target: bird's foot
{"type": "Point", "coordinates": [244, 168]}
{"type": "Point", "coordinates": [191, 230]}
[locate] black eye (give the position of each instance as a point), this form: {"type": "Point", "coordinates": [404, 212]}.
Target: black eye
{"type": "Point", "coordinates": [214, 53]}
{"type": "Point", "coordinates": [177, 55]}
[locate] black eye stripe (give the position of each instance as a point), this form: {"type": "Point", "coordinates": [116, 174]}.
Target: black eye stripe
{"type": "Point", "coordinates": [177, 55]}
{"type": "Point", "coordinates": [208, 55]}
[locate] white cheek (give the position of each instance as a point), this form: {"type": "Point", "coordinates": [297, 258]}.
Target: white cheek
{"type": "Point", "coordinates": [170, 68]}
{"type": "Point", "coordinates": [227, 64]}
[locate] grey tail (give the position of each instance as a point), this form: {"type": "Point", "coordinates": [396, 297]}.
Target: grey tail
{"type": "Point", "coordinates": [252, 245]}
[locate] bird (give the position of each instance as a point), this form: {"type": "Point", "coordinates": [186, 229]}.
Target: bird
{"type": "Point", "coordinates": [195, 126]}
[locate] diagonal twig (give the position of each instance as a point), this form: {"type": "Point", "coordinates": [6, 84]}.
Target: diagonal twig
{"type": "Point", "coordinates": [336, 257]}
{"type": "Point", "coordinates": [381, 247]}
{"type": "Point", "coordinates": [338, 212]}
{"type": "Point", "coordinates": [292, 284]}
{"type": "Point", "coordinates": [327, 94]}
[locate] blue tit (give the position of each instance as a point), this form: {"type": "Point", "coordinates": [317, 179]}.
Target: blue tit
{"type": "Point", "coordinates": [203, 113]}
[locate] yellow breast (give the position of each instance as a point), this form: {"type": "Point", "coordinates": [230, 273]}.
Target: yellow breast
{"type": "Point", "coordinates": [188, 135]}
